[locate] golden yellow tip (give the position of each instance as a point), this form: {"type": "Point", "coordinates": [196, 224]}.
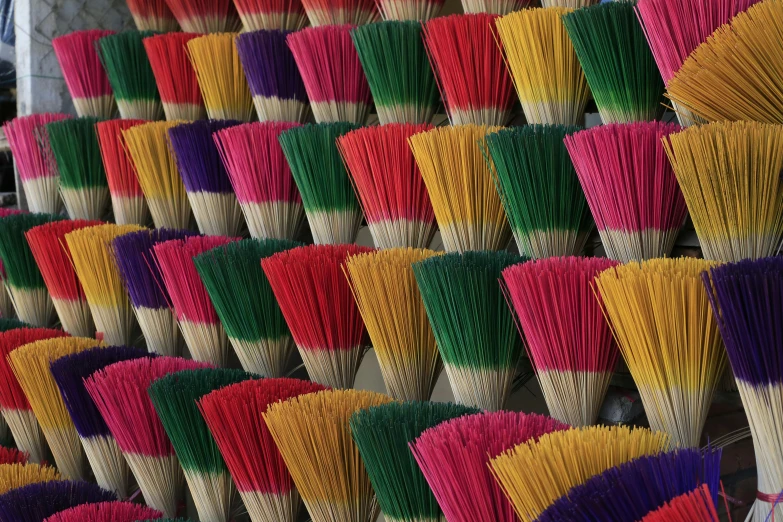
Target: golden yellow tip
{"type": "Point", "coordinates": [17, 475]}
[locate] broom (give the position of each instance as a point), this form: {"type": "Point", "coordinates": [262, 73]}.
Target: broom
{"type": "Point", "coordinates": [261, 178]}
{"type": "Point", "coordinates": [87, 82]}
{"type": "Point", "coordinates": [47, 243]}
{"type": "Point", "coordinates": [127, 198]}
{"type": "Point", "coordinates": [94, 263]}
{"type": "Point", "coordinates": [38, 173]}
{"type": "Point", "coordinates": [329, 199]}
{"type": "Point", "coordinates": [130, 75]}
{"type": "Point", "coordinates": [30, 364]}
{"type": "Point", "coordinates": [174, 76]}
{"type": "Point", "coordinates": [211, 197]}
{"type": "Point", "coordinates": [734, 75]}
{"type": "Point", "coordinates": [206, 16]}
{"type": "Point", "coordinates": [389, 185]}
{"type": "Point", "coordinates": [156, 168]}
{"type": "Point", "coordinates": [340, 12]}
{"type": "Point", "coordinates": [453, 457]}
{"type": "Point", "coordinates": [105, 512]}
{"type": "Point", "coordinates": [472, 324]}
{"type": "Point", "coordinates": [409, 10]}
{"type": "Point", "coordinates": [385, 290]}
{"type": "Point", "coordinates": [198, 321]}
{"type": "Point", "coordinates": [316, 301]}
{"type": "Point", "coordinates": [332, 73]}
{"type": "Point", "coordinates": [13, 456]}
{"type": "Point", "coordinates": [83, 185]}
{"type": "Point", "coordinates": [37, 502]}
{"type": "Point", "coordinates": [630, 187]}
{"type": "Point", "coordinates": [468, 65]}
{"type": "Point", "coordinates": [175, 398]}
{"type": "Point", "coordinates": [382, 434]}
{"type": "Point", "coordinates": [618, 64]}
{"type": "Point", "coordinates": [313, 436]}
{"type": "Point", "coordinates": [539, 189]}
{"type": "Point", "coordinates": [543, 65]}
{"type": "Point", "coordinates": [17, 475]}
{"type": "Point", "coordinates": [220, 77]}
{"type": "Point", "coordinates": [730, 176]}
{"type": "Point", "coordinates": [234, 415]}
{"type": "Point", "coordinates": [152, 15]}
{"type": "Point", "coordinates": [746, 300]}
{"type": "Point", "coordinates": [661, 319]}
{"type": "Point", "coordinates": [275, 83]}
{"type": "Point", "coordinates": [14, 406]}
{"type": "Point", "coordinates": [695, 505]}
{"type": "Point", "coordinates": [141, 278]}
{"type": "Point", "coordinates": [243, 299]}
{"type": "Point", "coordinates": [10, 323]}
{"type": "Point", "coordinates": [104, 455]}
{"type": "Point", "coordinates": [467, 206]}
{"type": "Point", "coordinates": [6, 306]}
{"type": "Point", "coordinates": [23, 280]}
{"type": "Point", "coordinates": [120, 394]}
{"type": "Point", "coordinates": [536, 473]}
{"type": "Point", "coordinates": [568, 339]}
{"type": "Point", "coordinates": [398, 71]}
{"type": "Point", "coordinates": [266, 15]}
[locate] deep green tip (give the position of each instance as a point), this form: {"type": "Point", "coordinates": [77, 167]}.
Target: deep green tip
{"type": "Point", "coordinates": [128, 67]}
{"type": "Point", "coordinates": [20, 267]}
{"type": "Point", "coordinates": [10, 323]}
{"type": "Point", "coordinates": [75, 146]}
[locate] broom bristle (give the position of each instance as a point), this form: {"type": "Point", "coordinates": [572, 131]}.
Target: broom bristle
{"type": "Point", "coordinates": [17, 475]}
{"type": "Point", "coordinates": [13, 456]}
{"type": "Point", "coordinates": [77, 54]}
{"type": "Point", "coordinates": [206, 16]}
{"type": "Point", "coordinates": [340, 12]}
{"type": "Point", "coordinates": [316, 301]}
{"type": "Point", "coordinates": [332, 73]}
{"type": "Point", "coordinates": [261, 178]}
{"type": "Point", "coordinates": [270, 15]}
{"type": "Point", "coordinates": [453, 457]}
{"type": "Point", "coordinates": [174, 75]}
{"type": "Point", "coordinates": [37, 502]}
{"type": "Point", "coordinates": [695, 505]}
{"type": "Point", "coordinates": [105, 512]}
{"type": "Point", "coordinates": [152, 15]}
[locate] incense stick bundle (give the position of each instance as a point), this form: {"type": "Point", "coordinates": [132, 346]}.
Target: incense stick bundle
{"type": "Point", "coordinates": [37, 169]}
{"type": "Point", "coordinates": [120, 394]}
{"type": "Point", "coordinates": [340, 12]}
{"type": "Point", "coordinates": [23, 280]}
{"type": "Point", "coordinates": [472, 78]}
{"type": "Point", "coordinates": [382, 434]}
{"type": "Point", "coordinates": [274, 80]}
{"type": "Point", "coordinates": [17, 475]}
{"type": "Point", "coordinates": [388, 298]}
{"type": "Point", "coordinates": [316, 301]}
{"type": "Point", "coordinates": [13, 456]}
{"type": "Point", "coordinates": [389, 185]}
{"type": "Point", "coordinates": [6, 306]}
{"type": "Point", "coordinates": [175, 77]}
{"type": "Point", "coordinates": [329, 199]}
{"type": "Point", "coordinates": [206, 16]}
{"type": "Point", "coordinates": [204, 335]}
{"type": "Point", "coordinates": [332, 73]}
{"type": "Point", "coordinates": [141, 278]}
{"type": "Point", "coordinates": [14, 406]}
{"type": "Point", "coordinates": [221, 77]}
{"type": "Point", "coordinates": [409, 10]}
{"type": "Point", "coordinates": [314, 438]}
{"type": "Point", "coordinates": [398, 71]}
{"type": "Point", "coordinates": [472, 324]}
{"type": "Point", "coordinates": [175, 398]}
{"type": "Point", "coordinates": [152, 15]}
{"type": "Point", "coordinates": [87, 82]}
{"type": "Point", "coordinates": [156, 168]}
{"type": "Point", "coordinates": [695, 505]}
{"type": "Point", "coordinates": [630, 187]}
{"type": "Point", "coordinates": [130, 75]}
{"type": "Point", "coordinates": [30, 364]}
{"type": "Point", "coordinates": [734, 74]}
{"type": "Point", "coordinates": [102, 451]}
{"type": "Point", "coordinates": [94, 263]}
{"type": "Point", "coordinates": [234, 415]}
{"type": "Point", "coordinates": [47, 243]}
{"type": "Point", "coordinates": [626, 493]}
{"type": "Point", "coordinates": [266, 15]}
{"type": "Point", "coordinates": [467, 206]}
{"type": "Point", "coordinates": [745, 298]}
{"type": "Point", "coordinates": [539, 189]}
{"type": "Point", "coordinates": [535, 474]}
{"type": "Point", "coordinates": [730, 176]}
{"type": "Point", "coordinates": [211, 197]}
{"type": "Point", "coordinates": [261, 178]}
{"type": "Point", "coordinates": [37, 502]}
{"type": "Point", "coordinates": [10, 323]}
{"type": "Point", "coordinates": [83, 184]}
{"type": "Point", "coordinates": [244, 301]}
{"type": "Point", "coordinates": [496, 7]}
{"type": "Point", "coordinates": [661, 318]}
{"type": "Point", "coordinates": [453, 457]}
{"type": "Point", "coordinates": [568, 339]}
{"type": "Point", "coordinates": [105, 512]}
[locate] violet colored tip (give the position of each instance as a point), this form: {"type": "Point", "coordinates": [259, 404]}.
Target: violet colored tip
{"type": "Point", "coordinates": [747, 299]}
{"type": "Point", "coordinates": [139, 272]}
{"type": "Point", "coordinates": [36, 502]}
{"type": "Point", "coordinates": [197, 155]}
{"type": "Point", "coordinates": [269, 65]}
{"type": "Point", "coordinates": [628, 492]}
{"type": "Point", "coordinates": [69, 373]}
